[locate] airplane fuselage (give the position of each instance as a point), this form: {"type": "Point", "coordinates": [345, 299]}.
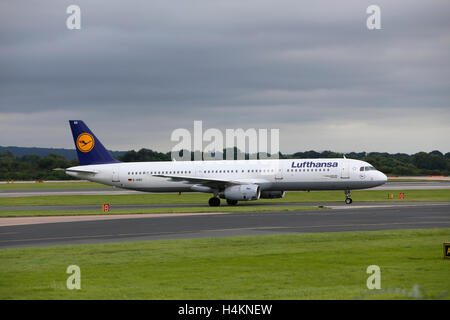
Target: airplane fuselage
{"type": "Point", "coordinates": [269, 175]}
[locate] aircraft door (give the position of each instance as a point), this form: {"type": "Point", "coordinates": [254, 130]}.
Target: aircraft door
{"type": "Point", "coordinates": [279, 173]}
{"type": "Point", "coordinates": [115, 175]}
{"type": "Point", "coordinates": [345, 170]}
{"type": "Point", "coordinates": [198, 171]}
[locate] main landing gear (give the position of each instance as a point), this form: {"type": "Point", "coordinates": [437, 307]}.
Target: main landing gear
{"type": "Point", "coordinates": [348, 200]}
{"type": "Point", "coordinates": [214, 202]}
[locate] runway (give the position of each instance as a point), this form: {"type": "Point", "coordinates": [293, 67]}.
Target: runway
{"type": "Point", "coordinates": [363, 217]}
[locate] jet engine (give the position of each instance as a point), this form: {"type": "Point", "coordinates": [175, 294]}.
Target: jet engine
{"type": "Point", "coordinates": [242, 192]}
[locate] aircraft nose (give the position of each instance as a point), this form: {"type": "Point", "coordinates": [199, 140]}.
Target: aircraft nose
{"type": "Point", "coordinates": [382, 177]}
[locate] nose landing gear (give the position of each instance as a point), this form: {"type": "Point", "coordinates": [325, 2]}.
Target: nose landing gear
{"type": "Point", "coordinates": [348, 200]}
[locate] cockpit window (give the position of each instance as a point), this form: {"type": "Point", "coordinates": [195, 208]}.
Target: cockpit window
{"type": "Point", "coordinates": [361, 169]}
{"type": "Point", "coordinates": [369, 168]}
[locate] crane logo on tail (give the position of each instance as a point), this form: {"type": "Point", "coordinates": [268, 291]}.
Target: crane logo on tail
{"type": "Point", "coordinates": [85, 142]}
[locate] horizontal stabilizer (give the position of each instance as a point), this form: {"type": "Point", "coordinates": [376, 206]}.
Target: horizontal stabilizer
{"type": "Point", "coordinates": [76, 170]}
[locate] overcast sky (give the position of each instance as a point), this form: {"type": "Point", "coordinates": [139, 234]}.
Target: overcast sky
{"type": "Point", "coordinates": [137, 70]}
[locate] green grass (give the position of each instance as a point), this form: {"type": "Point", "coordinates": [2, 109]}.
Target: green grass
{"type": "Point", "coordinates": [201, 198]}
{"type": "Point", "coordinates": [289, 266]}
{"type": "Point", "coordinates": [415, 180]}
{"type": "Point", "coordinates": [204, 209]}
{"type": "Point", "coordinates": [52, 185]}
{"type": "Point", "coordinates": [408, 180]}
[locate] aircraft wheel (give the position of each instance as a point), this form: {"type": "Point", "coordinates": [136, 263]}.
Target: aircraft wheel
{"type": "Point", "coordinates": [348, 200]}
{"type": "Point", "coordinates": [232, 202]}
{"type": "Point", "coordinates": [214, 202]}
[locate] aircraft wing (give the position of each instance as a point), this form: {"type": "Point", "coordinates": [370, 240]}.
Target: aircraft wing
{"type": "Point", "coordinates": [207, 182]}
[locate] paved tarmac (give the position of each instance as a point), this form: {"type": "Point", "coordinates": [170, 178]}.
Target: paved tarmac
{"type": "Point", "coordinates": [104, 229]}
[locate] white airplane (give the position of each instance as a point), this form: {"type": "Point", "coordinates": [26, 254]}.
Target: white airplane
{"type": "Point", "coordinates": [233, 180]}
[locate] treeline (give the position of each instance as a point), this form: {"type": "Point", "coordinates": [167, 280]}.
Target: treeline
{"type": "Point", "coordinates": [35, 167]}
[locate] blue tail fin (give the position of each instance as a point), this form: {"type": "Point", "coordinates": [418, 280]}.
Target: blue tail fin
{"type": "Point", "coordinates": [89, 149]}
